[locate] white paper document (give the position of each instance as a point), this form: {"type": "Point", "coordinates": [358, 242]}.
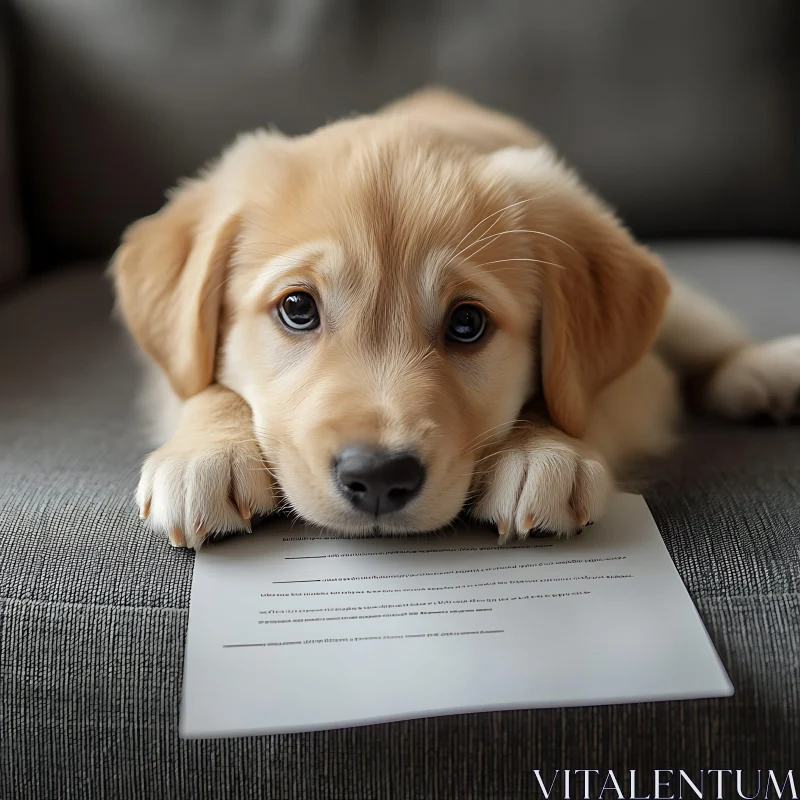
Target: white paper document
{"type": "Point", "coordinates": [294, 630]}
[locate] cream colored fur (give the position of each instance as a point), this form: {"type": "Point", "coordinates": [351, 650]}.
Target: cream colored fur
{"type": "Point", "coordinates": [389, 221]}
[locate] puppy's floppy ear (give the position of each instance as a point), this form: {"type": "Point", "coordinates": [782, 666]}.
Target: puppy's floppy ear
{"type": "Point", "coordinates": [169, 272]}
{"type": "Point", "coordinates": [602, 305]}
{"type": "Point", "coordinates": [600, 314]}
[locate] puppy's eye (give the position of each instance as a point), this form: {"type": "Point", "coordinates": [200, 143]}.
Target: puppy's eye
{"type": "Point", "coordinates": [298, 312]}
{"type": "Point", "coordinates": [467, 324]}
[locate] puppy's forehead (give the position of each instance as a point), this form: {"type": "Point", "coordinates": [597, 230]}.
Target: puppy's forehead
{"type": "Point", "coordinates": [395, 225]}
{"type": "Point", "coordinates": [402, 200]}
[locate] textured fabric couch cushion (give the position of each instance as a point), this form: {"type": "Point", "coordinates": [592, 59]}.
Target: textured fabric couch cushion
{"type": "Point", "coordinates": [681, 114]}
{"type": "Point", "coordinates": [93, 607]}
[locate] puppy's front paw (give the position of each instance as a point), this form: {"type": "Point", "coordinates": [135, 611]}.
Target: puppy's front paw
{"type": "Point", "coordinates": [542, 479]}
{"type": "Point", "coordinates": [189, 491]}
{"type": "Point", "coordinates": [762, 379]}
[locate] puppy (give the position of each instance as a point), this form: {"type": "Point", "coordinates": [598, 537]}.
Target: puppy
{"type": "Point", "coordinates": [400, 315]}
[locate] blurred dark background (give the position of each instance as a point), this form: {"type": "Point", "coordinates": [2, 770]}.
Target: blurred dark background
{"type": "Point", "coordinates": [684, 115]}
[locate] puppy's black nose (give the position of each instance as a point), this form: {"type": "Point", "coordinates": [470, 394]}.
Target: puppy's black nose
{"type": "Point", "coordinates": [376, 481]}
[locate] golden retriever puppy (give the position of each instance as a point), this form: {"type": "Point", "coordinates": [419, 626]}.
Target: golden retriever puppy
{"type": "Point", "coordinates": [401, 315]}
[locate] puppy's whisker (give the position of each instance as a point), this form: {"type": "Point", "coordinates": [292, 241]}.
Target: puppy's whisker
{"type": "Point", "coordinates": [471, 244]}
{"type": "Point", "coordinates": [516, 266]}
{"type": "Point", "coordinates": [477, 449]}
{"type": "Point", "coordinates": [490, 430]}
{"type": "Point", "coordinates": [477, 473]}
{"type": "Point", "coordinates": [495, 454]}
{"type": "Point", "coordinates": [257, 459]}
{"type": "Point", "coordinates": [533, 260]}
{"type": "Point", "coordinates": [482, 439]}
{"type": "Point", "coordinates": [489, 240]}
{"type": "Point", "coordinates": [262, 461]}
{"type": "Point", "coordinates": [533, 232]}
{"type": "Point", "coordinates": [486, 219]}
{"type": "Point", "coordinates": [483, 235]}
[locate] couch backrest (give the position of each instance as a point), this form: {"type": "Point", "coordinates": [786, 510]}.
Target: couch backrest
{"type": "Point", "coordinates": [683, 114]}
{"type": "Point", "coordinates": [12, 261]}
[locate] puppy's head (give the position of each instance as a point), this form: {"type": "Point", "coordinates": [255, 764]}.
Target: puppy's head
{"type": "Point", "coordinates": [387, 301]}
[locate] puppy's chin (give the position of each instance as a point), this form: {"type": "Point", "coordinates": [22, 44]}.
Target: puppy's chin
{"type": "Point", "coordinates": [429, 512]}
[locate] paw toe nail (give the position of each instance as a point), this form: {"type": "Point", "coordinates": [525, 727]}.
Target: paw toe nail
{"type": "Point", "coordinates": [527, 523]}
{"type": "Point", "coordinates": [176, 537]}
{"type": "Point", "coordinates": [504, 531]}
{"type": "Point", "coordinates": [244, 510]}
{"type": "Point", "coordinates": [144, 511]}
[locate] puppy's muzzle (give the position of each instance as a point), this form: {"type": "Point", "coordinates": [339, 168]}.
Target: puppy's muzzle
{"type": "Point", "coordinates": [376, 481]}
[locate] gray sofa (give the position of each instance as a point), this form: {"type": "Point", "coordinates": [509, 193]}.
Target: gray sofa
{"type": "Point", "coordinates": [684, 115]}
